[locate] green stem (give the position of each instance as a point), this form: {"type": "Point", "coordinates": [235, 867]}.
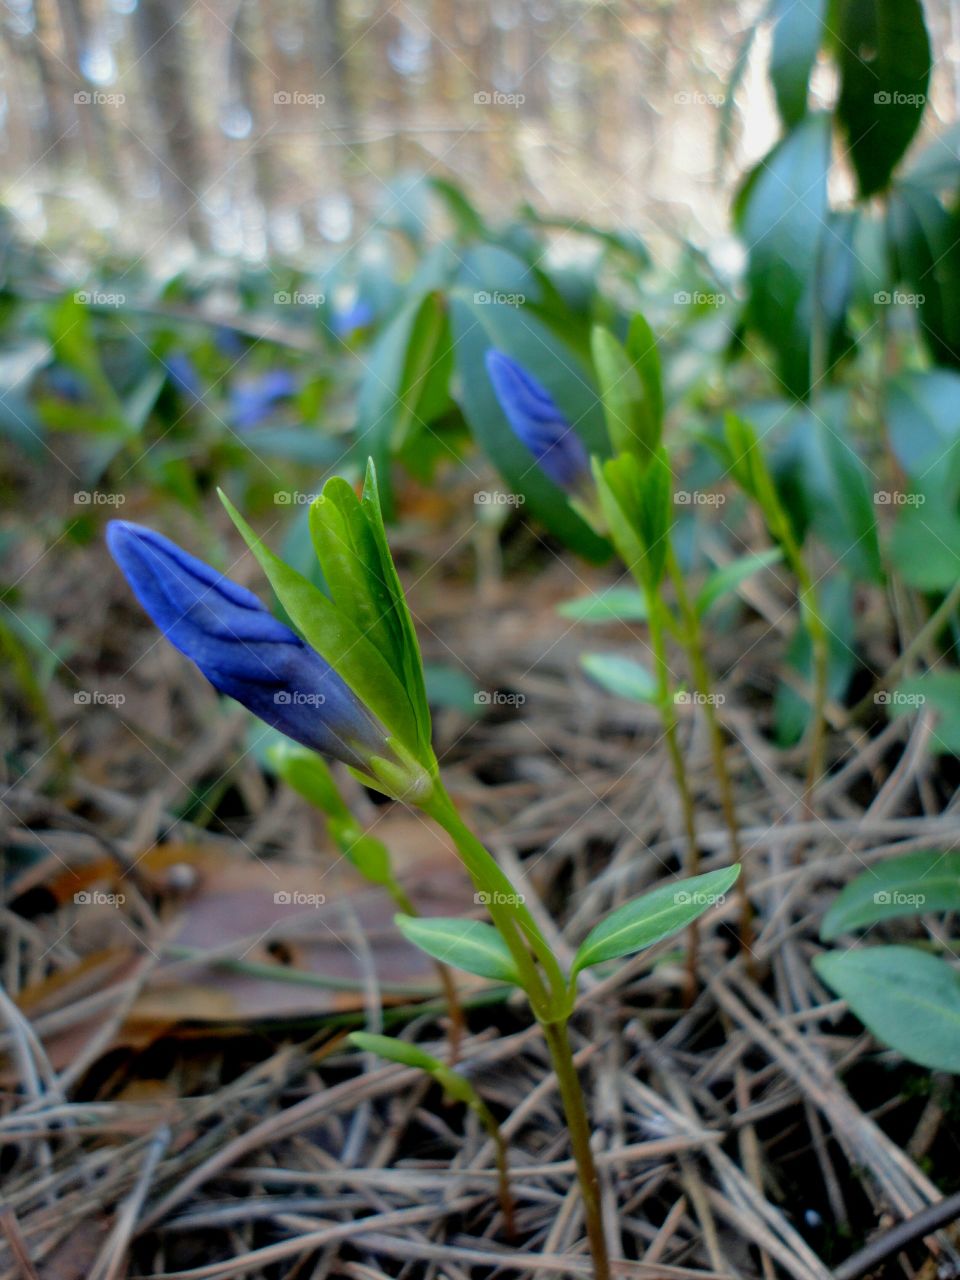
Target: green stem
{"type": "Point", "coordinates": [505, 905]}
{"type": "Point", "coordinates": [668, 717]}
{"type": "Point", "coordinates": [571, 1096]}
{"type": "Point", "coordinates": [693, 642]}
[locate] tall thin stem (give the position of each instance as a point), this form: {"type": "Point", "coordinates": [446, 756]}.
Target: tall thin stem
{"type": "Point", "coordinates": [693, 642]}
{"type": "Point", "coordinates": [571, 1096]}
{"type": "Point", "coordinates": [668, 717]}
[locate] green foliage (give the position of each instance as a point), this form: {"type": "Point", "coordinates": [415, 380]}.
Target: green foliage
{"type": "Point", "coordinates": [616, 604]}
{"type": "Point", "coordinates": [912, 884]}
{"type": "Point", "coordinates": [620, 676]}
{"type": "Point", "coordinates": [909, 1000]}
{"type": "Point", "coordinates": [470, 945]}
{"type": "Point", "coordinates": [643, 921]}
{"type": "Point", "coordinates": [637, 504]}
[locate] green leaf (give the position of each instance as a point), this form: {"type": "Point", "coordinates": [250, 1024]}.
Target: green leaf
{"type": "Point", "coordinates": [337, 638]}
{"type": "Point", "coordinates": [797, 35]}
{"type": "Point", "coordinates": [782, 216]}
{"type": "Point", "coordinates": [923, 240]}
{"type": "Point", "coordinates": [308, 774]}
{"type": "Point", "coordinates": [925, 545]}
{"type": "Point", "coordinates": [884, 57]}
{"type": "Point", "coordinates": [620, 676]}
{"type": "Point", "coordinates": [907, 886]}
{"type": "Point", "coordinates": [616, 604]}
{"type": "Point", "coordinates": [480, 325]}
{"type": "Point", "coordinates": [938, 691]}
{"type": "Point", "coordinates": [654, 916]}
{"type": "Point", "coordinates": [909, 999]}
{"type": "Point", "coordinates": [470, 945]}
{"type": "Point", "coordinates": [732, 575]}
{"type": "Point", "coordinates": [630, 388]}
{"type": "Point", "coordinates": [408, 1055]}
{"type": "Point", "coordinates": [923, 416]}
{"type": "Point", "coordinates": [406, 379]}
{"type": "Point", "coordinates": [637, 504]}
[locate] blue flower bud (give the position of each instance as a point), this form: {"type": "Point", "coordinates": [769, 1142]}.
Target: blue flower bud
{"type": "Point", "coordinates": [253, 399]}
{"type": "Point", "coordinates": [243, 650]}
{"type": "Point", "coordinates": [538, 423]}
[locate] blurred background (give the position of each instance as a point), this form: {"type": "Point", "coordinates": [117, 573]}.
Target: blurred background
{"type": "Point", "coordinates": [259, 129]}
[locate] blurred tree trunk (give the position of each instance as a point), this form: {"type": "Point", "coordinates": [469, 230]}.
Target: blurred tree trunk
{"type": "Point", "coordinates": [165, 53]}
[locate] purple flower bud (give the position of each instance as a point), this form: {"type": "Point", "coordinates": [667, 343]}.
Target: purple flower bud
{"type": "Point", "coordinates": [242, 649]}
{"type": "Point", "coordinates": [538, 423]}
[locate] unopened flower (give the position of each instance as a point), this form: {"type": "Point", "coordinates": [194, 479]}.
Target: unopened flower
{"type": "Point", "coordinates": [243, 650]}
{"type": "Point", "coordinates": [538, 423]}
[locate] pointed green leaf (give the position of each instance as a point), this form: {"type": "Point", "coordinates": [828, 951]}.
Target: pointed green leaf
{"type": "Point", "coordinates": [654, 916]}
{"type": "Point", "coordinates": [408, 1055]}
{"type": "Point", "coordinates": [470, 945]}
{"type": "Point", "coordinates": [797, 35]}
{"type": "Point", "coordinates": [732, 575]}
{"type": "Point", "coordinates": [909, 999]}
{"type": "Point", "coordinates": [616, 604]}
{"type": "Point", "coordinates": [911, 885]}
{"type": "Point", "coordinates": [884, 56]}
{"type": "Point", "coordinates": [621, 676]}
{"type": "Point", "coordinates": [637, 502]}
{"type": "Point", "coordinates": [642, 351]}
{"type": "Point", "coordinates": [336, 638]}
{"type": "Point", "coordinates": [633, 423]}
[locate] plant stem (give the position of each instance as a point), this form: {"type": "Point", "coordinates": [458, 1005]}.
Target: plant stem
{"type": "Point", "coordinates": [668, 717]}
{"type": "Point", "coordinates": [505, 905]}
{"type": "Point", "coordinates": [693, 642]}
{"type": "Point", "coordinates": [571, 1095]}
